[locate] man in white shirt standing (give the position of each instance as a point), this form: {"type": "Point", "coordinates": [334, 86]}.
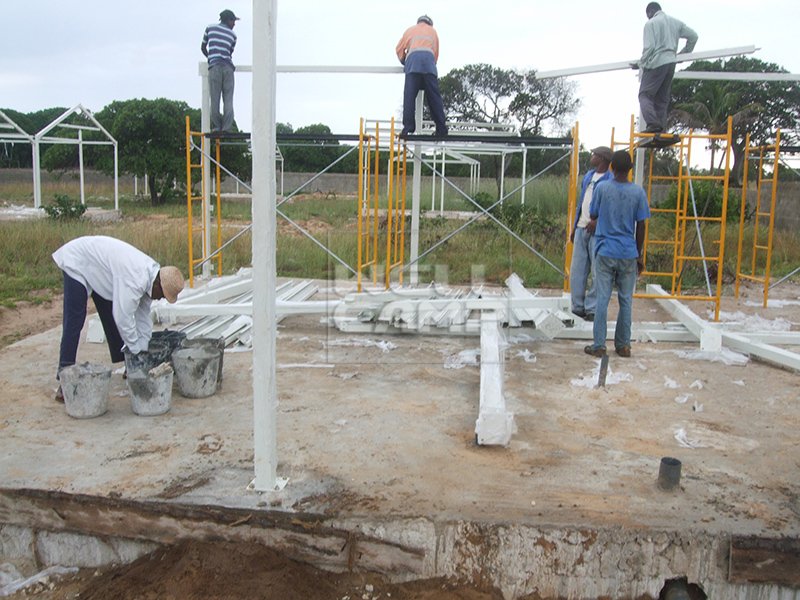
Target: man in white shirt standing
{"type": "Point", "coordinates": [661, 36]}
{"type": "Point", "coordinates": [583, 295]}
{"type": "Point", "coordinates": [122, 282]}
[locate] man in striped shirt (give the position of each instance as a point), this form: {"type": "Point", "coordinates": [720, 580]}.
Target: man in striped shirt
{"type": "Point", "coordinates": [218, 44]}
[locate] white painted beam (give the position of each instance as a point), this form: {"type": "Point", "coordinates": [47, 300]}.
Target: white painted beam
{"type": "Point", "coordinates": [265, 393]}
{"type": "Point", "coordinates": [765, 352]}
{"type": "Point", "coordinates": [626, 64]}
{"type": "Point", "coordinates": [736, 76]}
{"type": "Point", "coordinates": [495, 425]}
{"type": "Point", "coordinates": [708, 334]}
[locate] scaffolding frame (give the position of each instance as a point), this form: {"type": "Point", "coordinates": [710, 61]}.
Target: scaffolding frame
{"type": "Point", "coordinates": [760, 251]}
{"type": "Point", "coordinates": [192, 200]}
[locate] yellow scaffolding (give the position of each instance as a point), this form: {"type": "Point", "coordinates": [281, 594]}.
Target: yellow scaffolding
{"type": "Point", "coordinates": [684, 215]}
{"type": "Point", "coordinates": [197, 151]}
{"type": "Point", "coordinates": [763, 213]}
{"type": "Point", "coordinates": [673, 234]}
{"type": "Point", "coordinates": [368, 230]}
{"type": "Point", "coordinates": [572, 197]}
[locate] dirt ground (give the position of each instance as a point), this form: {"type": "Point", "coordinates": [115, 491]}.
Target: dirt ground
{"type": "Point", "coordinates": [224, 570]}
{"type": "Point", "coordinates": [719, 482]}
{"type": "Point", "coordinates": [210, 570]}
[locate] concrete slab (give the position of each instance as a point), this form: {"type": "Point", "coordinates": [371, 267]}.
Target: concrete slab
{"type": "Point", "coordinates": [378, 443]}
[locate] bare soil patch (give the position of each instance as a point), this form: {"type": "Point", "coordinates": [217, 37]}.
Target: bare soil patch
{"type": "Point", "coordinates": [224, 570]}
{"type": "Point", "coordinates": [28, 319]}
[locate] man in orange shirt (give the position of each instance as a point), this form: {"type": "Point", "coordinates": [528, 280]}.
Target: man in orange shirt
{"type": "Point", "coordinates": [418, 52]}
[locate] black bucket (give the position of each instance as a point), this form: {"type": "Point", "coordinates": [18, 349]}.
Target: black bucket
{"type": "Point", "coordinates": [157, 353]}
{"type": "Point", "coordinates": [167, 337]}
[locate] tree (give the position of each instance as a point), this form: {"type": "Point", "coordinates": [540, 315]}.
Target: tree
{"type": "Point", "coordinates": [19, 155]}
{"type": "Point", "coordinates": [151, 135]}
{"type": "Point", "coordinates": [314, 154]}
{"type": "Point", "coordinates": [485, 94]}
{"type": "Point", "coordinates": [757, 107]}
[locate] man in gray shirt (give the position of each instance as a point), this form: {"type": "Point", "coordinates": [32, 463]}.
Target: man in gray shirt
{"type": "Point", "coordinates": [661, 36]}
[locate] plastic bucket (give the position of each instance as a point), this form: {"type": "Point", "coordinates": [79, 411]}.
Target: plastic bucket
{"type": "Point", "coordinates": [151, 391]}
{"type": "Point", "coordinates": [196, 371]}
{"type": "Point", "coordinates": [157, 353]}
{"type": "Point", "coordinates": [212, 344]}
{"type": "Point", "coordinates": [85, 389]}
{"type": "Point", "coordinates": [169, 338]}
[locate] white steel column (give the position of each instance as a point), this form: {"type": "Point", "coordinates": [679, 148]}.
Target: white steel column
{"type": "Point", "coordinates": [37, 175]}
{"type": "Point", "coordinates": [416, 185]}
{"type": "Point", "coordinates": [205, 126]}
{"type": "Point", "coordinates": [80, 165]}
{"type": "Point", "coordinates": [265, 401]}
{"type": "Point", "coordinates": [116, 175]}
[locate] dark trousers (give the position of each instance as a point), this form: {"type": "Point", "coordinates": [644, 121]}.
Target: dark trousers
{"type": "Point", "coordinates": [75, 299]}
{"type": "Point", "coordinates": [429, 83]}
{"type": "Point", "coordinates": [654, 94]}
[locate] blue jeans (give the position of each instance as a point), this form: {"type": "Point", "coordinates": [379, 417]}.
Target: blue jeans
{"type": "Point", "coordinates": [610, 273]}
{"type": "Point", "coordinates": [430, 84]}
{"type": "Point", "coordinates": [583, 295]}
{"type": "Point", "coordinates": [74, 317]}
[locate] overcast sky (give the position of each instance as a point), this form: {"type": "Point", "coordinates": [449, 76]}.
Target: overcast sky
{"type": "Point", "coordinates": [57, 53]}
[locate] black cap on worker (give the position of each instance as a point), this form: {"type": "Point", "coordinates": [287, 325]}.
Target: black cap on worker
{"type": "Point", "coordinates": [227, 15]}
{"type": "Point", "coordinates": [425, 19]}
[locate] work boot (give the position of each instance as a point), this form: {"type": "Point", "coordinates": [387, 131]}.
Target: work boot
{"type": "Point", "coordinates": [623, 351]}
{"type": "Point", "coordinates": [598, 352]}
{"type": "Point", "coordinates": [588, 317]}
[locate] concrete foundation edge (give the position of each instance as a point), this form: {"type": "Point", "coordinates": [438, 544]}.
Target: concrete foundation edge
{"type": "Point", "coordinates": [555, 562]}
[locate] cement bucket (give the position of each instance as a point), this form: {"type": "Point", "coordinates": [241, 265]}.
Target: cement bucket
{"type": "Point", "coordinates": [196, 371]}
{"type": "Point", "coordinates": [156, 354]}
{"type": "Point", "coordinates": [167, 337]}
{"type": "Point", "coordinates": [151, 391]}
{"type": "Point", "coordinates": [85, 389]}
{"type": "Point", "coordinates": [212, 344]}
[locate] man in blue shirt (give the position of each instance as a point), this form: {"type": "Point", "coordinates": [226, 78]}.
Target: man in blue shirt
{"type": "Point", "coordinates": [618, 211]}
{"type": "Point", "coordinates": [582, 293]}
{"type": "Point", "coordinates": [218, 44]}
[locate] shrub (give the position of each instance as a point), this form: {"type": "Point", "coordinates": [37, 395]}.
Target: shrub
{"type": "Point", "coordinates": [708, 198]}
{"type": "Point", "coordinates": [63, 208]}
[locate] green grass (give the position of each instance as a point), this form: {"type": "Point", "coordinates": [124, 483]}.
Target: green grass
{"type": "Point", "coordinates": [483, 248]}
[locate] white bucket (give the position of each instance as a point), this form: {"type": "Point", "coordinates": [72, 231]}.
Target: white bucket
{"type": "Point", "coordinates": [85, 389]}
{"type": "Point", "coordinates": [197, 371]}
{"type": "Point", "coordinates": [151, 391]}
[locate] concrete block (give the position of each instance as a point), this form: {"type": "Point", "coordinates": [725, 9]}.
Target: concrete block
{"type": "Point", "coordinates": [16, 543]}
{"type": "Point", "coordinates": [75, 550]}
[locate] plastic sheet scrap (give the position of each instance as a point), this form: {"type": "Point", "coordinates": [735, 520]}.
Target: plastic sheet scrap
{"type": "Point", "coordinates": [462, 359]}
{"type": "Point", "coordinates": [527, 356]}
{"type": "Point", "coordinates": [383, 345]}
{"type": "Point", "coordinates": [755, 322]}
{"type": "Point", "coordinates": [590, 380]}
{"type": "Point", "coordinates": [725, 356]}
{"type": "Point", "coordinates": [684, 441]}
